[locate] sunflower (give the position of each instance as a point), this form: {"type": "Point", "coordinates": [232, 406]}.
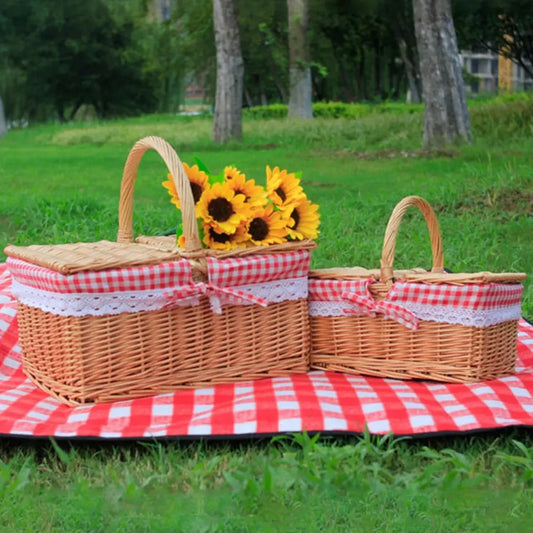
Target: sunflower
{"type": "Point", "coordinates": [224, 241]}
{"type": "Point", "coordinates": [255, 194]}
{"type": "Point", "coordinates": [198, 180]}
{"type": "Point", "coordinates": [171, 188]}
{"type": "Point", "coordinates": [231, 173]}
{"type": "Point", "coordinates": [303, 220]}
{"type": "Point", "coordinates": [283, 188]}
{"type": "Point", "coordinates": [223, 209]}
{"type": "Point", "coordinates": [267, 227]}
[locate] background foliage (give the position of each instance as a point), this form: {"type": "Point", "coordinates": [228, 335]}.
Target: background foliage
{"type": "Point", "coordinates": [107, 58]}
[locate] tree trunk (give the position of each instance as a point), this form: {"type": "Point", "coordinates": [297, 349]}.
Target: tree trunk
{"type": "Point", "coordinates": [446, 118]}
{"type": "Point", "coordinates": [378, 89]}
{"type": "Point", "coordinates": [360, 76]}
{"type": "Point", "coordinates": [247, 97]}
{"type": "Point", "coordinates": [300, 98]}
{"type": "Point", "coordinates": [346, 89]}
{"type": "Point", "coordinates": [401, 23]}
{"type": "Point", "coordinates": [3, 123]}
{"type": "Point", "coordinates": [413, 80]}
{"type": "Point", "coordinates": [230, 73]}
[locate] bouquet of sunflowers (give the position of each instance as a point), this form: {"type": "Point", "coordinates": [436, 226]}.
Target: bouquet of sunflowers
{"type": "Point", "coordinates": [235, 212]}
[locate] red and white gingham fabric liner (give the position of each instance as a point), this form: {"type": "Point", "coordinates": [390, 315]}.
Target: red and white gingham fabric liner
{"type": "Point", "coordinates": [317, 401]}
{"type": "Point", "coordinates": [247, 280]}
{"type": "Point", "coordinates": [149, 277]}
{"type": "Point", "coordinates": [471, 296]}
{"type": "Point", "coordinates": [236, 271]}
{"type": "Point", "coordinates": [222, 272]}
{"type": "Point", "coordinates": [473, 304]}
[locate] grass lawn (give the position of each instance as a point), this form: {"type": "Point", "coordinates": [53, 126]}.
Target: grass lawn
{"type": "Point", "coordinates": [61, 184]}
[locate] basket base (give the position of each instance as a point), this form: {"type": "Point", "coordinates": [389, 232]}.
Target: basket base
{"type": "Point", "coordinates": [436, 351]}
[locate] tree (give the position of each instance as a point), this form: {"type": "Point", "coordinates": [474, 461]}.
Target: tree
{"type": "Point", "coordinates": [300, 98]}
{"type": "Point", "coordinates": [195, 22]}
{"type": "Point", "coordinates": [357, 47]}
{"type": "Point", "coordinates": [502, 26]}
{"type": "Point", "coordinates": [227, 122]}
{"type": "Point", "coordinates": [446, 118]}
{"type": "Point", "coordinates": [399, 15]}
{"type": "Point", "coordinates": [3, 124]}
{"type": "Point", "coordinates": [74, 53]}
{"type": "Point", "coordinates": [263, 30]}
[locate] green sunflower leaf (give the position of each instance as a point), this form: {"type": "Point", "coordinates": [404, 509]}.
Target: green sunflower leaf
{"type": "Point", "coordinates": [201, 165]}
{"type": "Point", "coordinates": [217, 178]}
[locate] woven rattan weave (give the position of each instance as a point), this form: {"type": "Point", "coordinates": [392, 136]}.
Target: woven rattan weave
{"type": "Point", "coordinates": [377, 346]}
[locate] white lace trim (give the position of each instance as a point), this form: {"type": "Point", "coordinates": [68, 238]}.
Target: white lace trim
{"type": "Point", "coordinates": [83, 304]}
{"type": "Point", "coordinates": [272, 291]}
{"type": "Point", "coordinates": [332, 309]}
{"type": "Point", "coordinates": [432, 313]}
{"type": "Point", "coordinates": [479, 318]}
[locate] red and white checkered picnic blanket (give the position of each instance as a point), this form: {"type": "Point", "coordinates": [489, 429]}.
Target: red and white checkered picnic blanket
{"type": "Point", "coordinates": [317, 401]}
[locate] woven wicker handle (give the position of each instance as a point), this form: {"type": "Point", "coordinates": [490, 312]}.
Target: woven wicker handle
{"type": "Point", "coordinates": [389, 244]}
{"type": "Point", "coordinates": [175, 167]}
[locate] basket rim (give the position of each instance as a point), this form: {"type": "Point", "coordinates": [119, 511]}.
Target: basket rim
{"type": "Point", "coordinates": [72, 258]}
{"type": "Point", "coordinates": [417, 275]}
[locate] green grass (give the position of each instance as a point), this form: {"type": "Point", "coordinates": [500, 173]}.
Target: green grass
{"type": "Point", "coordinates": [299, 483]}
{"type": "Point", "coordinates": [61, 184]}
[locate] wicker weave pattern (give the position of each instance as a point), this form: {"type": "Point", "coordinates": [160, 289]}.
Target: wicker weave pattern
{"type": "Point", "coordinates": [83, 256]}
{"type": "Point", "coordinates": [439, 351]}
{"type": "Point", "coordinates": [116, 357]}
{"type": "Point", "coordinates": [80, 359]}
{"type": "Point", "coordinates": [384, 348]}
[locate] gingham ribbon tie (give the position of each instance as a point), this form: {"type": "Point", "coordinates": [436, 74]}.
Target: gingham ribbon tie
{"type": "Point", "coordinates": [368, 306]}
{"type": "Point", "coordinates": [213, 292]}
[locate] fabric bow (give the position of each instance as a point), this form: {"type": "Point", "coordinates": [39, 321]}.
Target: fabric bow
{"type": "Point", "coordinates": [213, 292]}
{"type": "Point", "coordinates": [368, 306]}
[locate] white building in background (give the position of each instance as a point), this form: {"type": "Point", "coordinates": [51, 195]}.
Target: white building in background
{"type": "Point", "coordinates": [492, 72]}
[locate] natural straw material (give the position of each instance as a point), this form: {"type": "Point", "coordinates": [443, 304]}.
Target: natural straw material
{"type": "Point", "coordinates": [118, 357]}
{"type": "Point", "coordinates": [82, 359]}
{"type": "Point", "coordinates": [83, 256]}
{"type": "Point", "coordinates": [378, 346]}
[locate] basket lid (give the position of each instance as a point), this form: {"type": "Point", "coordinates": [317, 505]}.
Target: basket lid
{"type": "Point", "coordinates": [418, 275]}
{"type": "Point", "coordinates": [83, 256]}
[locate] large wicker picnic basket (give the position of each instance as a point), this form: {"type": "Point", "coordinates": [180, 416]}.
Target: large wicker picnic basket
{"type": "Point", "coordinates": [110, 321]}
{"type": "Point", "coordinates": [413, 323]}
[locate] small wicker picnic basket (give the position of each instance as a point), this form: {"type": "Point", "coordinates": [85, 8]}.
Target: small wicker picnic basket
{"type": "Point", "coordinates": [110, 321]}
{"type": "Point", "coordinates": [413, 323]}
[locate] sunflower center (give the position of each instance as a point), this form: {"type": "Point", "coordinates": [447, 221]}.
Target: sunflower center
{"type": "Point", "coordinates": [296, 217]}
{"type": "Point", "coordinates": [220, 209]}
{"type": "Point", "coordinates": [219, 237]}
{"type": "Point", "coordinates": [196, 191]}
{"type": "Point", "coordinates": [281, 193]}
{"type": "Point", "coordinates": [238, 191]}
{"type": "Point", "coordinates": [258, 229]}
